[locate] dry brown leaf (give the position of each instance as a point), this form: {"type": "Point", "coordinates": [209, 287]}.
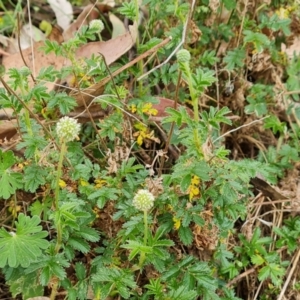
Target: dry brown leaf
{"type": "Point", "coordinates": [266, 189]}
{"type": "Point", "coordinates": [2, 52]}
{"type": "Point", "coordinates": [56, 34]}
{"type": "Point", "coordinates": [161, 108]}
{"type": "Point", "coordinates": [7, 130]}
{"type": "Point", "coordinates": [292, 49]}
{"type": "Point", "coordinates": [118, 26]}
{"type": "Point", "coordinates": [9, 44]}
{"type": "Point", "coordinates": [195, 33]}
{"type": "Point", "coordinates": [36, 60]}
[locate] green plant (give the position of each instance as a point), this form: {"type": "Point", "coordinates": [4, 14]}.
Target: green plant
{"type": "Point", "coordinates": [147, 201]}
{"type": "Point", "coordinates": [269, 262]}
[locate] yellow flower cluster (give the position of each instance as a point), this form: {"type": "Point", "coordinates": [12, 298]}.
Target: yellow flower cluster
{"type": "Point", "coordinates": [147, 108]}
{"type": "Point", "coordinates": [283, 13]}
{"type": "Point", "coordinates": [177, 223]}
{"type": "Point", "coordinates": [98, 183]}
{"type": "Point", "coordinates": [143, 133]}
{"type": "Point", "coordinates": [194, 187]}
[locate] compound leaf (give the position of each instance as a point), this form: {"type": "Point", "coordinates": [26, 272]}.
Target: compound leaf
{"type": "Point", "coordinates": [23, 246]}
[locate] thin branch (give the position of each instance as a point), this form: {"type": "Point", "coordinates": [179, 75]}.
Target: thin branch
{"type": "Point", "coordinates": [238, 128]}
{"type": "Point", "coordinates": [142, 56]}
{"type": "Point", "coordinates": [20, 49]}
{"type": "Point", "coordinates": [240, 276]}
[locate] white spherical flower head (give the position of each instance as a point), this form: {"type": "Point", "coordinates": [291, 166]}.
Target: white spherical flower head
{"type": "Point", "coordinates": [143, 200]}
{"type": "Point", "coordinates": [67, 129]}
{"type": "Point", "coordinates": [97, 25]}
{"type": "Point", "coordinates": [183, 56]}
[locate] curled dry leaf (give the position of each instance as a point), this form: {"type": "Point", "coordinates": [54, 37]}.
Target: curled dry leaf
{"type": "Point", "coordinates": [118, 26]}
{"type": "Point", "coordinates": [116, 158]}
{"type": "Point", "coordinates": [195, 33]}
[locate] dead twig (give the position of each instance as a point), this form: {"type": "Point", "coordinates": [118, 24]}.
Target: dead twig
{"type": "Point", "coordinates": [238, 128]}
{"type": "Point", "coordinates": [288, 279]}
{"type": "Point", "coordinates": [239, 277]}
{"type": "Point", "coordinates": [19, 45]}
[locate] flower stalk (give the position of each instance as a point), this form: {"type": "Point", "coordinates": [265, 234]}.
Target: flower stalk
{"type": "Point", "coordinates": [144, 201]}
{"type": "Point", "coordinates": [67, 129]}
{"type": "Point", "coordinates": [98, 26]}
{"type": "Point", "coordinates": [183, 59]}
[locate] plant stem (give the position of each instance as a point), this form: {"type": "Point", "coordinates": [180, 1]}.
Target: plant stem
{"type": "Point", "coordinates": [140, 63]}
{"type": "Point", "coordinates": [193, 96]}
{"type": "Point", "coordinates": [54, 290]}
{"type": "Point", "coordinates": [145, 228]}
{"type": "Point", "coordinates": [195, 104]}
{"type": "Point", "coordinates": [58, 237]}
{"type": "Point", "coordinates": [59, 171]}
{"type": "Point", "coordinates": [143, 255]}
{"type": "Point", "coordinates": [56, 200]}
{"type": "Point", "coordinates": [24, 91]}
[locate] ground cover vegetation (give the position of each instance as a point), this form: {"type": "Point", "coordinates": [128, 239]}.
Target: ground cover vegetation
{"type": "Point", "coordinates": [176, 177]}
